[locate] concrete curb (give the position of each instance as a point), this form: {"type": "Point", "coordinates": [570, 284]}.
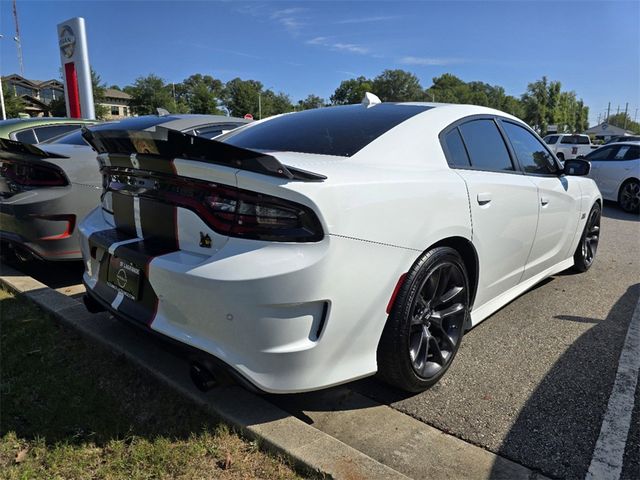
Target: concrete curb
{"type": "Point", "coordinates": [308, 447]}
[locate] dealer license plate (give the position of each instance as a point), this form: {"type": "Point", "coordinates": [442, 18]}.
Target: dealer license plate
{"type": "Point", "coordinates": [124, 276]}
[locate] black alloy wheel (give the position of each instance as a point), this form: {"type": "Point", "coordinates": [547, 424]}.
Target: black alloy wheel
{"type": "Point", "coordinates": [426, 325]}
{"type": "Point", "coordinates": [586, 250]}
{"type": "Point", "coordinates": [629, 196]}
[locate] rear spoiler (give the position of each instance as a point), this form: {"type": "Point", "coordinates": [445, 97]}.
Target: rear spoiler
{"type": "Point", "coordinates": [168, 143]}
{"type": "Point", "coordinates": [13, 150]}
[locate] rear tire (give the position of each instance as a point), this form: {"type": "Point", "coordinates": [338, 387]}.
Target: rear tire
{"type": "Point", "coordinates": [629, 196]}
{"type": "Point", "coordinates": [586, 251]}
{"type": "Point", "coordinates": [424, 330]}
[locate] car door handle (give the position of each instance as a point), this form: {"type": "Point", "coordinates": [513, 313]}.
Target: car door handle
{"type": "Point", "coordinates": [484, 198]}
{"type": "Point", "coordinates": [544, 201]}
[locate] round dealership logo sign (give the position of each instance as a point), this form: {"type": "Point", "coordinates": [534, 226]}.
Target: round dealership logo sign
{"type": "Point", "coordinates": [121, 278]}
{"type": "Point", "coordinates": [67, 41]}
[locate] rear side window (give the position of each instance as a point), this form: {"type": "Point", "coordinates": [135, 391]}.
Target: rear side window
{"type": "Point", "coordinates": [568, 139]}
{"type": "Point", "coordinates": [633, 153]}
{"type": "Point", "coordinates": [530, 152]}
{"type": "Point", "coordinates": [50, 131]}
{"type": "Point", "coordinates": [485, 145]}
{"type": "Point", "coordinates": [328, 131]}
{"type": "Point", "coordinates": [457, 153]}
{"type": "Point", "coordinates": [26, 136]}
{"type": "Point", "coordinates": [582, 140]}
{"type": "Point", "coordinates": [603, 153]}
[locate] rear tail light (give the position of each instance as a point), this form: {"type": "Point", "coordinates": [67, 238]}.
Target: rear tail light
{"type": "Point", "coordinates": [232, 211]}
{"type": "Point", "coordinates": [32, 175]}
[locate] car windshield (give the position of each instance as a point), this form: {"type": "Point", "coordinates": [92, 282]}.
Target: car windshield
{"type": "Point", "coordinates": [341, 131]}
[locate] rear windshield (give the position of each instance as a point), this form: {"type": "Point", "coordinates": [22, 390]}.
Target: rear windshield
{"type": "Point", "coordinates": [74, 138]}
{"type": "Point", "coordinates": [327, 131]}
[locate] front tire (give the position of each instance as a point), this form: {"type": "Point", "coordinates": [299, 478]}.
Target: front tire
{"type": "Point", "coordinates": [629, 196]}
{"type": "Point", "coordinates": [425, 328]}
{"type": "Point", "coordinates": [586, 250]}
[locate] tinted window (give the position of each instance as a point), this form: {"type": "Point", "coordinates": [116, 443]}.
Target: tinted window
{"type": "Point", "coordinates": [50, 131]}
{"type": "Point", "coordinates": [329, 131]}
{"type": "Point", "coordinates": [531, 153]}
{"type": "Point", "coordinates": [485, 145]}
{"type": "Point", "coordinates": [582, 140]}
{"type": "Point", "coordinates": [568, 139]}
{"type": "Point", "coordinates": [74, 138]}
{"type": "Point", "coordinates": [26, 136]}
{"type": "Point", "coordinates": [633, 153]}
{"type": "Point", "coordinates": [551, 139]}
{"type": "Point", "coordinates": [603, 153]}
{"type": "Point", "coordinates": [457, 154]}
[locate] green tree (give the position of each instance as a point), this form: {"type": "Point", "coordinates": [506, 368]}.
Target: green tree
{"type": "Point", "coordinates": [312, 101]}
{"type": "Point", "coordinates": [58, 107]}
{"type": "Point", "coordinates": [351, 91]}
{"type": "Point", "coordinates": [275, 103]}
{"type": "Point", "coordinates": [200, 94]}
{"type": "Point", "coordinates": [150, 93]}
{"type": "Point", "coordinates": [623, 120]}
{"type": "Point", "coordinates": [398, 86]}
{"type": "Point", "coordinates": [242, 97]}
{"type": "Point", "coordinates": [99, 91]}
{"type": "Point", "coordinates": [13, 104]}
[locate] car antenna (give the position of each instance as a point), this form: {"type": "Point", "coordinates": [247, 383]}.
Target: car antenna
{"type": "Point", "coordinates": [370, 100]}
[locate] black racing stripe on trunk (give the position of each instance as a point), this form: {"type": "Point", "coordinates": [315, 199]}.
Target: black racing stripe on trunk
{"type": "Point", "coordinates": [158, 221]}
{"type": "Point", "coordinates": [123, 214]}
{"type": "Point", "coordinates": [141, 254]}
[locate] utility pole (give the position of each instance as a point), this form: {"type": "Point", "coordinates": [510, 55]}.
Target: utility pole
{"type": "Point", "coordinates": [626, 107]}
{"type": "Point", "coordinates": [598, 122]}
{"type": "Point", "coordinates": [608, 111]}
{"type": "Point", "coordinates": [259, 106]}
{"type": "Point", "coordinates": [17, 38]}
{"type": "Point", "coordinates": [635, 116]}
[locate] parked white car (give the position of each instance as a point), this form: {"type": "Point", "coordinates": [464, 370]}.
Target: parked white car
{"type": "Point", "coordinates": [318, 247]}
{"type": "Point", "coordinates": [616, 170]}
{"type": "Point", "coordinates": [567, 146]}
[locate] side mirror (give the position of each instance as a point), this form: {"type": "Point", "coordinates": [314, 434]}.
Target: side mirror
{"type": "Point", "coordinates": [577, 167]}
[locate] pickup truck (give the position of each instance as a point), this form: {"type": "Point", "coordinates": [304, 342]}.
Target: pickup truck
{"type": "Point", "coordinates": [569, 146]}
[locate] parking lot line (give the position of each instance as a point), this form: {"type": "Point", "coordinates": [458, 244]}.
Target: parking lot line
{"type": "Point", "coordinates": [608, 453]}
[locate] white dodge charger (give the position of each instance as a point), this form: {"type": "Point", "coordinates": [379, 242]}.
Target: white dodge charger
{"type": "Point", "coordinates": [318, 247]}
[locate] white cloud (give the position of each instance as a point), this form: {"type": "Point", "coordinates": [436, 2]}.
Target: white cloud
{"type": "Point", "coordinates": [429, 61]}
{"type": "Point", "coordinates": [289, 18]}
{"type": "Point", "coordinates": [343, 47]}
{"type": "Point", "coordinates": [381, 18]}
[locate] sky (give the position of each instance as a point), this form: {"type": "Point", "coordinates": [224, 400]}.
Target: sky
{"type": "Point", "coordinates": [303, 47]}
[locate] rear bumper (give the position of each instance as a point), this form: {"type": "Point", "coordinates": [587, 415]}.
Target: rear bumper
{"type": "Point", "coordinates": [286, 317]}
{"type": "Point", "coordinates": [41, 222]}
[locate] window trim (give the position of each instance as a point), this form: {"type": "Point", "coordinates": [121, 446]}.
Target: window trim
{"type": "Point", "coordinates": [517, 169]}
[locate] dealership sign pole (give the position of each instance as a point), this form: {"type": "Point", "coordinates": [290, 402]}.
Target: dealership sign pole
{"type": "Point", "coordinates": [74, 56]}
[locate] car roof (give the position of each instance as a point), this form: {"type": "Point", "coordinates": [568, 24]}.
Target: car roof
{"type": "Point", "coordinates": [13, 124]}
{"type": "Point", "coordinates": [175, 122]}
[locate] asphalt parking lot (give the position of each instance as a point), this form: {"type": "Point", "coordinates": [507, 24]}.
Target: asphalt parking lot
{"type": "Point", "coordinates": [532, 382]}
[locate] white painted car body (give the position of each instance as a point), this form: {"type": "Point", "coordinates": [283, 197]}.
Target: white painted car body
{"type": "Point", "coordinates": [614, 164]}
{"type": "Point", "coordinates": [293, 317]}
